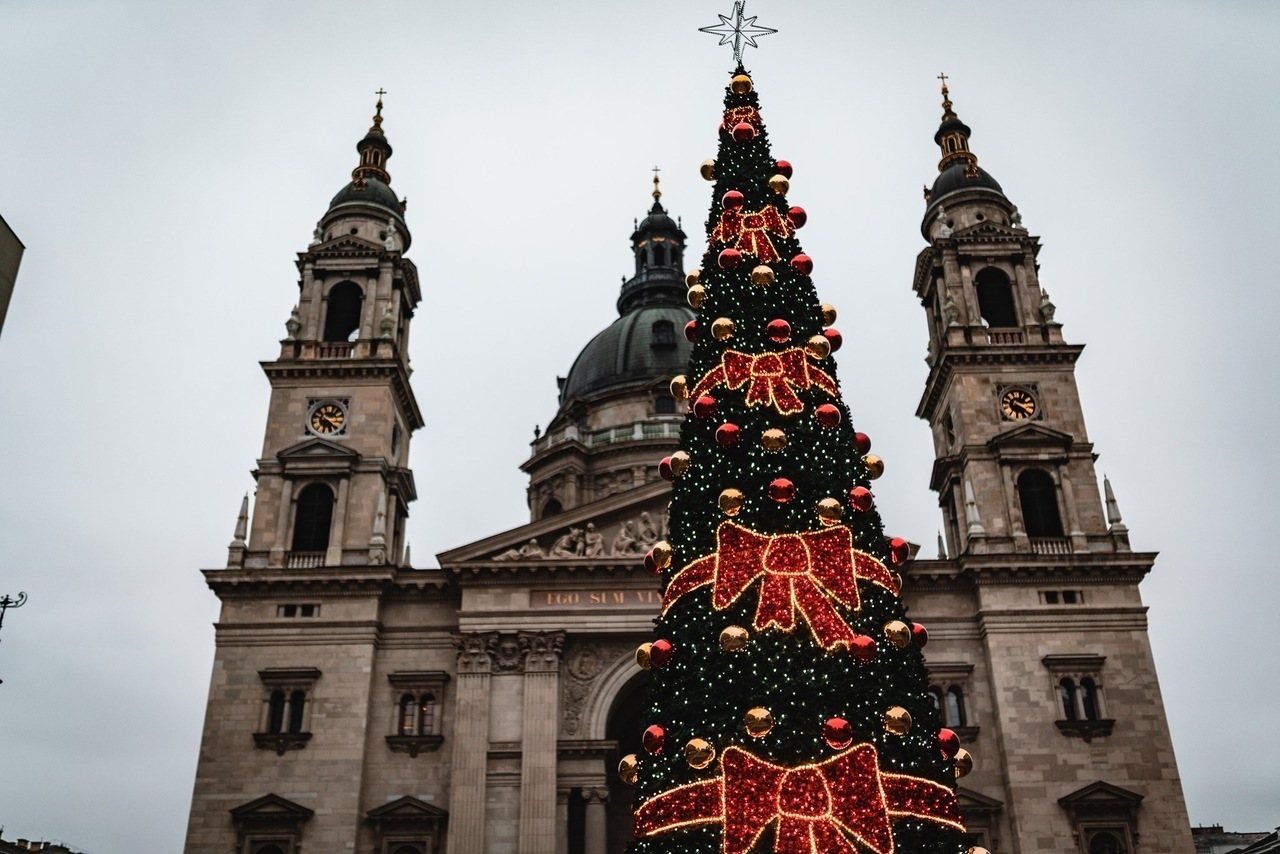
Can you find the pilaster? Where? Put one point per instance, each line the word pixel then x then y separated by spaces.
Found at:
pixel 538 745
pixel 470 742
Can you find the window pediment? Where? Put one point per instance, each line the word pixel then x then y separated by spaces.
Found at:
pixel 316 449
pixel 271 809
pixel 1029 440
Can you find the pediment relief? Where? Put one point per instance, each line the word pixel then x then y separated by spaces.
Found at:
pixel 317 449
pixel 622 526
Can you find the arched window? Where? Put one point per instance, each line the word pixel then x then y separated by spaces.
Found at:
pixel 1067 694
pixel 1106 842
pixel 269 848
pixel 312 519
pixel 342 321
pixel 408 714
pixel 1039 498
pixel 275 712
pixel 659 255
pixel 935 697
pixel 551 508
pixel 408 849
pixel 1089 699
pixel 426 714
pixel 955 707
pixel 664 334
pixel 995 299
pixel 297 704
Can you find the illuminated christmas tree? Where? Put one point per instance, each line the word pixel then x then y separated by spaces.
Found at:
pixel 789 706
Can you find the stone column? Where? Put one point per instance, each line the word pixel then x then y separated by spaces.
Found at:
pixel 562 821
pixel 334 555
pixel 276 557
pixel 541 720
pixel 1079 542
pixel 596 836
pixel 470 742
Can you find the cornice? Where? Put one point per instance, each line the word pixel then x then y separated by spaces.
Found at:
pixel 1019 568
pixel 488 573
pixel 307 370
pixel 956 357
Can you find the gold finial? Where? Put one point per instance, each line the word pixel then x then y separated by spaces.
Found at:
pixel 947 113
pixel 657 193
pixel 377 116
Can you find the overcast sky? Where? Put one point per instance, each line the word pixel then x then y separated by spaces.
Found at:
pixel 165 161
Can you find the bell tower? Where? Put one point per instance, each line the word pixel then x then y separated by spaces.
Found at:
pixel 1014 466
pixel 1040 658
pixel 333 480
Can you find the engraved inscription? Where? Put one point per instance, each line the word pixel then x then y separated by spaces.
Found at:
pixel 594 598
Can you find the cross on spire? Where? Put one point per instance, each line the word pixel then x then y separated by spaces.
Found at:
pixel 657 194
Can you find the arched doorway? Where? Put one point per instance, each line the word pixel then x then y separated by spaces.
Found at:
pixel 625 723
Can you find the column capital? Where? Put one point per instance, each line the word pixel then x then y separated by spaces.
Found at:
pixel 475 651
pixel 542 651
pixel 596 796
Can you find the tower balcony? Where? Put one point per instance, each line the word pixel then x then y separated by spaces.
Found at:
pixel 638 431
pixel 363 348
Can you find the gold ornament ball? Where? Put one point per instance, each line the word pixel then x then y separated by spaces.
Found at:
pixel 642 655
pixel 779 184
pixel 829 511
pixel 773 439
pixel 731 501
pixel 740 84
pixel 696 295
pixel 662 554
pixel 629 769
pixel 699 753
pixel 875 465
pixel 734 639
pixel 758 722
pixel 708 169
pixel 680 387
pixel 828 314
pixel 897 720
pixel 679 463
pixel 763 275
pixel 693 277
pixel 818 346
pixel 896 578
pixel 964 763
pixel 722 329
pixel 897 633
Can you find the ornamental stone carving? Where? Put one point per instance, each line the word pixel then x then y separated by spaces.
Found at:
pixel 541 651
pixel 585 662
pixel 633 537
pixel 508 655
pixel 475 651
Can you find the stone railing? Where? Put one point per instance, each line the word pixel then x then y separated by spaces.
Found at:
pixel 637 431
pixel 305 560
pixel 1051 545
pixel 1005 336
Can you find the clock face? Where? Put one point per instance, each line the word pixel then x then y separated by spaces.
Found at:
pixel 328 418
pixel 1018 404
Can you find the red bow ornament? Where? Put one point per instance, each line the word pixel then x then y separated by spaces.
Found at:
pixel 818 809
pixel 750 115
pixel 801 572
pixel 773 378
pixel 748 231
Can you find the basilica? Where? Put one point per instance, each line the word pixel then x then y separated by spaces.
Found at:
pixel 360 704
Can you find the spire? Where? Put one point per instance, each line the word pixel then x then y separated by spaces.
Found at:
pixel 657 191
pixel 658 244
pixel 953 137
pixel 235 551
pixel 942 547
pixel 1113 508
pixel 971 512
pixel 374 151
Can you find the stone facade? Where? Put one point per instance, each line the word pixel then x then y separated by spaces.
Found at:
pixel 359 704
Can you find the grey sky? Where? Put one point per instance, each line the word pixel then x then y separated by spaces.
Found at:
pixel 166 160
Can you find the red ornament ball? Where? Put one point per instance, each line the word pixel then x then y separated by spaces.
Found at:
pixel 899 550
pixel 827 415
pixel 919 634
pixel 651 563
pixel 861 499
pixel 728 434
pixel 664 469
pixel 778 330
pixel 783 168
pixel 744 132
pixel 948 743
pixel 691 331
pixel 705 406
pixel 782 490
pixel 863 649
pixel 729 259
pixel 797 216
pixel 802 264
pixel 660 652
pixel 733 200
pixel 862 442
pixel 654 739
pixel 834 337
pixel 838 733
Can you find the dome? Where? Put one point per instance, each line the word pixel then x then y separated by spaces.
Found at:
pixel 375 193
pixel 953 178
pixel 639 348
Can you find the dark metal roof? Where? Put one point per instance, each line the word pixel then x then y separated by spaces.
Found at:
pixel 953 178
pixel 375 193
pixel 626 354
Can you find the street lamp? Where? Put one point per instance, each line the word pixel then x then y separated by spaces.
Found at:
pixel 7 602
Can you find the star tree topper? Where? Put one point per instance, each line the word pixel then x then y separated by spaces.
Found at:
pixel 737 30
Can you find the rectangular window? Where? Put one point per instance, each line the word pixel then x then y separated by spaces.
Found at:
pixel 1050 597
pixel 295 610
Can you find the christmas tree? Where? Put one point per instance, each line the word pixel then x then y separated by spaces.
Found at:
pixel 789 705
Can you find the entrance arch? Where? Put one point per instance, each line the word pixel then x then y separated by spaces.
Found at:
pixel 624 723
